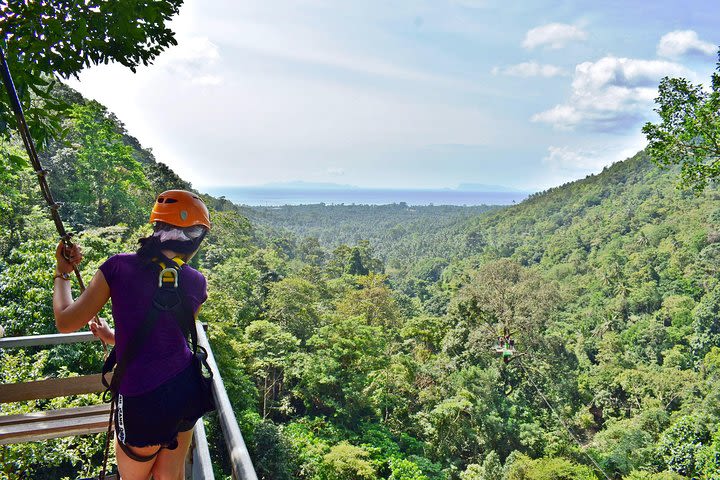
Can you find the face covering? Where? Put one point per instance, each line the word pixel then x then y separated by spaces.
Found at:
pixel 179 234
pixel 181 240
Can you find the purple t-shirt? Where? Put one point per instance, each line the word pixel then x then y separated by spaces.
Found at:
pixel 164 353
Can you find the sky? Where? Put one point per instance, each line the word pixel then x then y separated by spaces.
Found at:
pixel 409 93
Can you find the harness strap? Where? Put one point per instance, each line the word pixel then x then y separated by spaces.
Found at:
pixel 134 456
pixel 133 349
pixel 165 299
pixel 168 298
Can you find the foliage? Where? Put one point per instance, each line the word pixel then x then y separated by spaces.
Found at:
pixel 376 358
pixel 524 468
pixel 43 39
pixel 330 375
pixel 490 469
pixel 681 443
pixel 404 469
pixel 400 234
pixel 346 462
pixel 689 130
pixel 291 303
pixel 104 177
pixel 270 449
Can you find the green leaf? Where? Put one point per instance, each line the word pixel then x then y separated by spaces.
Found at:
pixel 17 162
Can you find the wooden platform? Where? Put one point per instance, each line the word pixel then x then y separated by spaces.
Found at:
pixel 43 425
pixel 37 426
pixel 51 388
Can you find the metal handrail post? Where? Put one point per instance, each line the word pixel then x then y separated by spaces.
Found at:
pixel 242 467
pixel 50 339
pixel 202 465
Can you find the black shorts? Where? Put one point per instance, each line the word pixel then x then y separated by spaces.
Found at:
pixel 156 417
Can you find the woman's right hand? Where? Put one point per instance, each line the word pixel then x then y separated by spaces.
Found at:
pixel 67 257
pixel 102 330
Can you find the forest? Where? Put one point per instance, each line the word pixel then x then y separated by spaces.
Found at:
pixel 339 367
pixel 399 233
pixel 351 356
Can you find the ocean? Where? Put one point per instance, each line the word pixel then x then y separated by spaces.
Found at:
pixel 265 196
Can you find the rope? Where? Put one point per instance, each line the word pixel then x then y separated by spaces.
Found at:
pixel 39 170
pixel 32 153
pixel 108 436
pixel 52 205
pixel 562 421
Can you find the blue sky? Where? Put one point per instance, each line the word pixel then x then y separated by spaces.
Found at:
pixel 405 94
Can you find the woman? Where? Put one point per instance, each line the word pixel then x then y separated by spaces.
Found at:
pixel 159 397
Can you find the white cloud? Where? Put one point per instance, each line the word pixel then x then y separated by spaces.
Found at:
pixel 529 69
pixel 682 42
pixel 565 158
pixel 262 126
pixel 207 80
pixel 191 50
pixel 553 35
pixel 610 94
pixel 194 59
pixel 569 162
pixel 305 45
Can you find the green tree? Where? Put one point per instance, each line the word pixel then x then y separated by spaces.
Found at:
pixel 490 469
pixel 689 130
pixel 355 265
pixel 14 198
pixel 330 378
pixel 504 294
pixel 404 469
pixel 99 174
pixel 525 468
pixel 25 299
pixel 680 444
pixel 373 300
pixel 625 446
pixel 269 448
pixel 230 236
pixel 291 303
pixel 705 323
pixel 347 462
pixel 642 475
pixel 269 350
pixel 56 37
pixel 707 458
pixel 234 293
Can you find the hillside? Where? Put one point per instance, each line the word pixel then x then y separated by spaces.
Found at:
pixel 371 354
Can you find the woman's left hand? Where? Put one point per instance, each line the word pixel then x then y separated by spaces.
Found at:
pixel 67 257
pixel 102 330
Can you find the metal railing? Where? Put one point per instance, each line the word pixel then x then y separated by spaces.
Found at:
pixel 242 467
pixel 45 340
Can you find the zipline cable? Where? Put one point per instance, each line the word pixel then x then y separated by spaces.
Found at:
pixel 37 166
pixel 562 421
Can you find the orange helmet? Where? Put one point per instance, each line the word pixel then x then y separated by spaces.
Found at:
pixel 180 208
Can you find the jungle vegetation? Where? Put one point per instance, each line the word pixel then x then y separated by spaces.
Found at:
pixel 374 357
pixel 339 367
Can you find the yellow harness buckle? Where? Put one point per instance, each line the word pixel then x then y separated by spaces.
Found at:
pixel 169 274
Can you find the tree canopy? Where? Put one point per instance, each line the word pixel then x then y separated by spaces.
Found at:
pixel 688 133
pixel 49 38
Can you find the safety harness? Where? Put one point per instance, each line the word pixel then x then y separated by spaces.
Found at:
pixel 168 298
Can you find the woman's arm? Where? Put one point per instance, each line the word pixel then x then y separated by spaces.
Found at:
pixel 73 315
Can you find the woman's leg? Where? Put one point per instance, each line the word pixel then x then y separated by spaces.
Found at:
pixel 170 464
pixel 133 470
